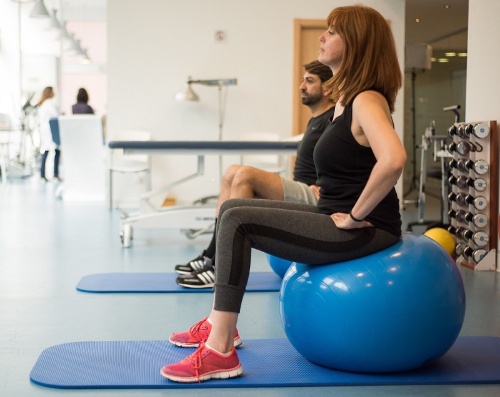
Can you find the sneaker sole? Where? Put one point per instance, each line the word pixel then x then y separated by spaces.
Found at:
pixel 232 373
pixel 183 272
pixel 196 286
pixel 237 343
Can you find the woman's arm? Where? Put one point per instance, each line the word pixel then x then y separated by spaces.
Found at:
pixel 372 126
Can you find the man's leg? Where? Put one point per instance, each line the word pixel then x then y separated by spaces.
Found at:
pixel 248 182
pixel 207 256
pixel 238 182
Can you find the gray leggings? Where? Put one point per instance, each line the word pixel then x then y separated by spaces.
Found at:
pixel 297 232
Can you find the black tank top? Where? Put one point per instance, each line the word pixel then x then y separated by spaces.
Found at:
pixel 343 167
pixel 304 170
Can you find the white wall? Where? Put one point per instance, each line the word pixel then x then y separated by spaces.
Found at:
pixel 155 45
pixel 9 59
pixel 483 61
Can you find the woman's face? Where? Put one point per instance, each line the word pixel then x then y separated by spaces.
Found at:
pixel 331 49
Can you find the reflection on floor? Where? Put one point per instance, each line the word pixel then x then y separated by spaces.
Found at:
pixel 47 246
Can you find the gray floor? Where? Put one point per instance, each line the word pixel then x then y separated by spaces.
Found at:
pixel 47 245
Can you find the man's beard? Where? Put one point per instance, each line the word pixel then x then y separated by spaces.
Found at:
pixel 310 99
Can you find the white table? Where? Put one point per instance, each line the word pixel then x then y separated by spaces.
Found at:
pixel 197 218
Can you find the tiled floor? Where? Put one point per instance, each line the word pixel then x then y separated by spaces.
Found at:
pixel 47 245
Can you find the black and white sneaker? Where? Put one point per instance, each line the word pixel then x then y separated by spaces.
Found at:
pixel 203 278
pixel 193 265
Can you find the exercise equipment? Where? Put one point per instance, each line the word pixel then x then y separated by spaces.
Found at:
pixel 163 283
pixel 438 143
pixel 266 363
pixel 396 310
pixel 279 265
pixel 443 237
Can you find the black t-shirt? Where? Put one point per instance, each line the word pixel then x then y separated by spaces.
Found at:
pixel 304 170
pixel 343 167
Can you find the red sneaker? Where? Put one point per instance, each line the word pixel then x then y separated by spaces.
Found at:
pixel 204 364
pixel 196 334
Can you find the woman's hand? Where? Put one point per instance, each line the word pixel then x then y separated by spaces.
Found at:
pixel 344 221
pixel 315 190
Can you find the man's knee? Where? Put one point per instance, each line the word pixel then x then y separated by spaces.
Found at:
pixel 231 171
pixel 245 175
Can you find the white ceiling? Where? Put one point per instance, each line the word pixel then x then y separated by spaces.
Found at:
pixel 442 28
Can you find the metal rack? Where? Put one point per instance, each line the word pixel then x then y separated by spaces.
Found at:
pixel 474 193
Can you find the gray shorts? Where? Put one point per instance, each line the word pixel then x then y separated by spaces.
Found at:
pixel 297 192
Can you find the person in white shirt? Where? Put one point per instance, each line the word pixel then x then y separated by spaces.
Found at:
pixel 47 110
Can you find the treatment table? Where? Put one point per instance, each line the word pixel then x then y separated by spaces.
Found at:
pixel 200 217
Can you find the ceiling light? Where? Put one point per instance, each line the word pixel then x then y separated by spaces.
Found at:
pixel 39 10
pixel 73 45
pixel 417 20
pixel 450 54
pixel 462 54
pixel 64 35
pixel 84 57
pixel 54 22
pixel 443 60
pixel 187 95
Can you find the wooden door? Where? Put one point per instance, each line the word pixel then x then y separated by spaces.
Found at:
pixel 306 49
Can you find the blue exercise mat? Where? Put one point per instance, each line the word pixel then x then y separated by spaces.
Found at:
pixel 164 283
pixel 266 363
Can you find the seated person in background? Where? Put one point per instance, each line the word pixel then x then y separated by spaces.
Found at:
pixel 81 106
pixel 249 182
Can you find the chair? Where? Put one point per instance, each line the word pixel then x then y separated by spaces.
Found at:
pixel 270 163
pixel 83 158
pixel 129 164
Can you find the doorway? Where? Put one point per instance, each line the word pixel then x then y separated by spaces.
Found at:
pixel 306 47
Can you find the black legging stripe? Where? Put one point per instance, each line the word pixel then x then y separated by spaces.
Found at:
pixel 296 232
pixel 300 243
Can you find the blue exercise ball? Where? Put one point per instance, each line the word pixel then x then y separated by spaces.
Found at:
pixel 279 266
pixel 396 310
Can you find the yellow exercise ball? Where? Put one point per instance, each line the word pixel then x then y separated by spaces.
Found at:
pixel 443 237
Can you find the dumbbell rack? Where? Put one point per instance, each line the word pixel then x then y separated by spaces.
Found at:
pixel 474 193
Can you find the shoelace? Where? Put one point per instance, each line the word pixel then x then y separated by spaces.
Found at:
pixel 195 329
pixel 195 360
